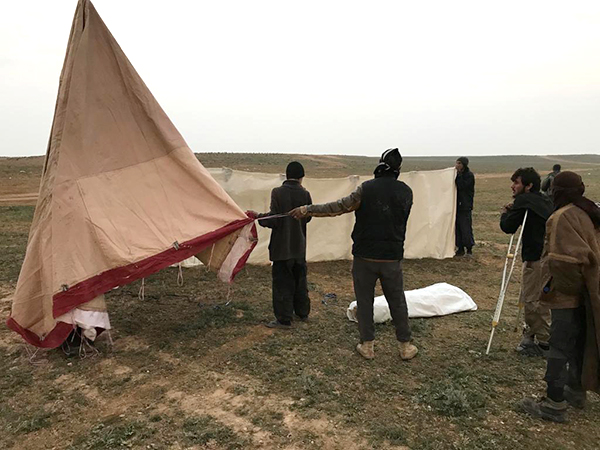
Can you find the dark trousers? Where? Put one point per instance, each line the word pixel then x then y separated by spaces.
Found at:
pixel 290 289
pixel 464 229
pixel 365 275
pixel 567 343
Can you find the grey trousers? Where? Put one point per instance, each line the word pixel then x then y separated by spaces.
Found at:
pixel 365 275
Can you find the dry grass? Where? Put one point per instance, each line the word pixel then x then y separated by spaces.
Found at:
pixel 187 371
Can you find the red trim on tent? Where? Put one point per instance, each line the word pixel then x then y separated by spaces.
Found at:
pixel 54 339
pixel 242 261
pixel 86 290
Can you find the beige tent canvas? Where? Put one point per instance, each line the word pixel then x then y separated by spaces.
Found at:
pixel 121 197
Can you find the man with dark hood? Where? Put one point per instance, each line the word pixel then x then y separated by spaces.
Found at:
pixel 382 206
pixel 527 198
pixel 571 267
pixel 287 249
pixel 549 181
pixel 465 192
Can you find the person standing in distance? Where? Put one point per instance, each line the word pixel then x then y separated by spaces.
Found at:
pixel 549 181
pixel 465 193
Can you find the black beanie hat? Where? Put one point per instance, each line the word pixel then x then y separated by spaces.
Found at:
pixel 390 161
pixel 464 160
pixel 294 171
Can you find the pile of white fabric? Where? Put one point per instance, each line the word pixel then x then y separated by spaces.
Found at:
pixel 438 299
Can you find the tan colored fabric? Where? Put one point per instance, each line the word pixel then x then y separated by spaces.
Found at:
pixel 97 304
pixel 572 253
pixel 430 230
pixel 537 315
pixel 119 185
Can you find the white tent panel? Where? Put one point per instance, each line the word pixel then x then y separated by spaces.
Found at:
pixel 430 231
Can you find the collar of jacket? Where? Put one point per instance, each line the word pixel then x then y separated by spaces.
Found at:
pixel 292 183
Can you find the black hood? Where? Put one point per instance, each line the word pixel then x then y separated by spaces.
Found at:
pixel 536 203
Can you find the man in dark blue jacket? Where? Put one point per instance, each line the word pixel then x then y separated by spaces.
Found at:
pixel 527 197
pixel 465 192
pixel 382 206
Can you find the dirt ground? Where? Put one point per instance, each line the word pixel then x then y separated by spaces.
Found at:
pixel 193 367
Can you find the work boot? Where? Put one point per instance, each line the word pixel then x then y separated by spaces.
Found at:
pixel 366 350
pixel 279 325
pixel 545 408
pixel 528 347
pixel 575 397
pixel 460 252
pixel 407 350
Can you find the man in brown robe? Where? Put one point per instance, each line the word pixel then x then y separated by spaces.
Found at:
pixel 571 268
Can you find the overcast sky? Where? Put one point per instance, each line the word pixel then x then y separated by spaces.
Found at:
pixel 330 77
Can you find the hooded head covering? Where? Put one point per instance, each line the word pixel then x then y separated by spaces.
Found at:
pixel 389 163
pixel 568 188
pixel 294 171
pixel 465 162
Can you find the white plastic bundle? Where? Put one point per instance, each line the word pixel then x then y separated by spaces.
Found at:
pixel 438 299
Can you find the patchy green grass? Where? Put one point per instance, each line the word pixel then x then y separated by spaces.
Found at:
pixel 117 435
pixel 205 429
pixel 193 367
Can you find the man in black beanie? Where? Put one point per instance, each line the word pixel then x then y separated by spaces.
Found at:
pixel 382 206
pixel 287 249
pixel 465 191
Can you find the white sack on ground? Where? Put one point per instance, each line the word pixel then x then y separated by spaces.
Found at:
pixel 430 229
pixel 438 299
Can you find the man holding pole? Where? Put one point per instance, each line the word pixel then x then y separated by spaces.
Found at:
pixel 527 197
pixel 382 206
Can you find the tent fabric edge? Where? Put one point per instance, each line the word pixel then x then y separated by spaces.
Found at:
pixel 86 290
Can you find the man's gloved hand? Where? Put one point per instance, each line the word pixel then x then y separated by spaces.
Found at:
pixel 299 213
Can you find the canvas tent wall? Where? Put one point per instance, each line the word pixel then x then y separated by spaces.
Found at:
pixel 121 196
pixel 431 226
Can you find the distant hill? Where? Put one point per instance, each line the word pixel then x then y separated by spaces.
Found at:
pixel 22 174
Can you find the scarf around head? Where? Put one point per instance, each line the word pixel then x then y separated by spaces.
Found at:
pixel 389 163
pixel 568 188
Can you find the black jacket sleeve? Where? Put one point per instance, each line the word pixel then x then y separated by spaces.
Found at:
pixel 512 219
pixel 275 209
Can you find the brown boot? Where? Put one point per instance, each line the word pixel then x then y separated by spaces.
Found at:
pixel 545 408
pixel 575 397
pixel 366 350
pixel 407 350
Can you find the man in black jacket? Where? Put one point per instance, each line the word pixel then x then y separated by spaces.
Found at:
pixel 287 249
pixel 382 207
pixel 465 191
pixel 527 197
